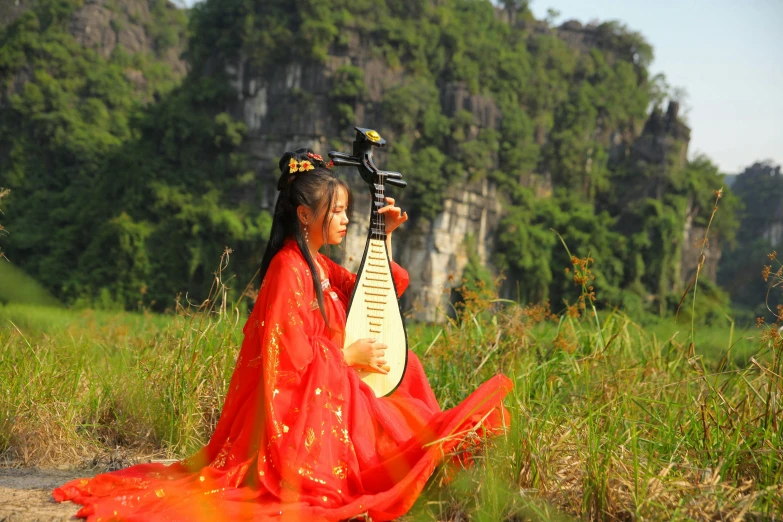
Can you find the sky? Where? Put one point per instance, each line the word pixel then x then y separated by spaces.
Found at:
pixel 728 57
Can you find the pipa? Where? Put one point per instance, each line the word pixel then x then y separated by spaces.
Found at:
pixel 374 309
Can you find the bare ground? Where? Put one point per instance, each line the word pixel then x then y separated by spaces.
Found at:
pixel 26 494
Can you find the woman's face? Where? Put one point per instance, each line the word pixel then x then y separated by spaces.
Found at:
pixel 336 219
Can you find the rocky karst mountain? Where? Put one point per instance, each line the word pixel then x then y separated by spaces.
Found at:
pixel 504 132
pixel 434 248
pixel 135 26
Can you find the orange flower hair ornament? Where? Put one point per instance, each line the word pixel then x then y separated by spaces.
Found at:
pixel 299 166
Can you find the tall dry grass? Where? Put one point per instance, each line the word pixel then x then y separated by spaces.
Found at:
pixel 609 421
pixel 77 386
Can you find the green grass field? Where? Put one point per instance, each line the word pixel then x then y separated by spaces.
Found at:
pixel 617 422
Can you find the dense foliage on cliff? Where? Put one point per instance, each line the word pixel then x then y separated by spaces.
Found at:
pixel 557 137
pixel 114 201
pixel 760 189
pixel 567 118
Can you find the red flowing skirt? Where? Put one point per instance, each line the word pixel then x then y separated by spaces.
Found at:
pixel 300 436
pixel 387 489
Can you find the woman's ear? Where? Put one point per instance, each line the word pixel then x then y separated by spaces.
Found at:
pixel 304 214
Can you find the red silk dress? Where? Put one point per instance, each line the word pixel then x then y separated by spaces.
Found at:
pixel 300 436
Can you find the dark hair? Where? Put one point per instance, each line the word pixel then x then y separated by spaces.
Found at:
pixel 316 189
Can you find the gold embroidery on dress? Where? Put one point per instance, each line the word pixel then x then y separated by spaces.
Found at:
pixel 307 471
pixel 273 352
pixel 310 439
pixel 341 434
pixel 220 459
pixel 340 470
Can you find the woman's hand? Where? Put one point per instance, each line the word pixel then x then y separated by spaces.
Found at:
pixel 367 354
pixel 394 215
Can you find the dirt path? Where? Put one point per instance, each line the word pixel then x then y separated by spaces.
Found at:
pixel 26 494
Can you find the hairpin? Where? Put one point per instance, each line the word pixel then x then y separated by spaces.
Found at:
pixel 315 156
pixel 299 166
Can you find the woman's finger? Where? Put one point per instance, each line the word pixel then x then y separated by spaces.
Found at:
pixel 390 200
pixel 383 210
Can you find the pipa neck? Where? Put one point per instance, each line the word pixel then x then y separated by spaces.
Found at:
pixel 378 221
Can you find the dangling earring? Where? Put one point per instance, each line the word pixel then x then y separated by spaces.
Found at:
pixel 307 234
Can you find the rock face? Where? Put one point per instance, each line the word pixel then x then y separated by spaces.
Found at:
pixel 289 108
pixel 280 118
pixel 663 145
pixel 10 10
pixel 436 254
pixel 693 236
pixel 760 186
pixel 103 25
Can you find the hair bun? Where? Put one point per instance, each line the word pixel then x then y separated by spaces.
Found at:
pixel 296 162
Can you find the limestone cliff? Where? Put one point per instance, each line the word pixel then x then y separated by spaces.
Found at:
pixel 292 104
pixel 10 10
pixel 290 107
pixel 432 251
pixel 105 25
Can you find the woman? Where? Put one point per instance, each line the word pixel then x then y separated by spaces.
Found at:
pixel 300 436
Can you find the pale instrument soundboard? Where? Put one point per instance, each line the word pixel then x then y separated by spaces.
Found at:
pixel 374 310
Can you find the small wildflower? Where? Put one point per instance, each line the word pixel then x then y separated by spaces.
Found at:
pixel 772 256
pixel 766 271
pixel 718 193
pixel 759 322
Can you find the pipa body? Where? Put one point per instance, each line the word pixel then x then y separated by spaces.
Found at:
pixel 374 310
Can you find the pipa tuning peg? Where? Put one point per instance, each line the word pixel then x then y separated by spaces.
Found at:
pixel 369 136
pixel 342 155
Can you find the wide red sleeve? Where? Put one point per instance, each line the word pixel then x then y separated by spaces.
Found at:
pixel 286 313
pixel 344 280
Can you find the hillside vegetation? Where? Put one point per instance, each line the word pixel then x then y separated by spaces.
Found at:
pixel 128 181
